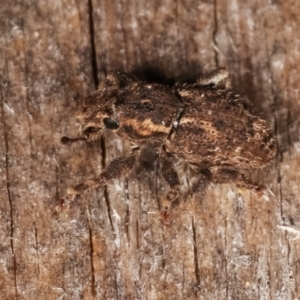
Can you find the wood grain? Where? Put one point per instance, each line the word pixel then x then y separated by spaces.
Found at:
pixel 110 243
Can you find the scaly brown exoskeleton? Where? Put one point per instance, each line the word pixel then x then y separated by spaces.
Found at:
pixel 203 124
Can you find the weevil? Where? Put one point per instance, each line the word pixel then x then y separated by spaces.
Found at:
pixel 203 123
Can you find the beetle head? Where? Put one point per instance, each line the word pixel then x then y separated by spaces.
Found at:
pixel 99 110
pixel 94 118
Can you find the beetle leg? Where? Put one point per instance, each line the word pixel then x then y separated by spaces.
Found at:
pixel 226 175
pixel 170 175
pixel 218 77
pixel 118 168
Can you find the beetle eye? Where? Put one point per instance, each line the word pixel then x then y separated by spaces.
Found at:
pixel 110 124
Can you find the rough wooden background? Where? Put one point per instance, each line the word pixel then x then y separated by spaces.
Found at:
pixel 111 244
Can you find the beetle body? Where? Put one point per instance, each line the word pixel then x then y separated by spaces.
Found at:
pixel 203 124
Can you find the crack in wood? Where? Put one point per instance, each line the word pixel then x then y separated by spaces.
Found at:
pixel 94 66
pixel 225 258
pixel 37 248
pixel 124 34
pixel 215 31
pixel 6 160
pixel 105 189
pixel 93 284
pixel 127 216
pixel 196 263
pixel 93 43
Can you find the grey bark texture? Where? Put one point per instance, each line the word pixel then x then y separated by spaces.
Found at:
pixel 111 243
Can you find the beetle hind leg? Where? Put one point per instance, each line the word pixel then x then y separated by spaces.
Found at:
pixel 227 175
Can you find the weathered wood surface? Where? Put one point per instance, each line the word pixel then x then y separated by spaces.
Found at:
pixel 228 244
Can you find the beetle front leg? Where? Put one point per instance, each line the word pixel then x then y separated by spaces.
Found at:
pixel 118 168
pixel 170 175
